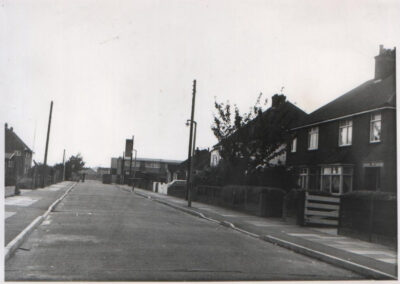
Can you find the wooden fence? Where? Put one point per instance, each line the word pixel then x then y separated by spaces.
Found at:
pixel 321 210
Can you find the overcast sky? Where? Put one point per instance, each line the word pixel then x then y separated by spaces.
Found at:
pixel 120 68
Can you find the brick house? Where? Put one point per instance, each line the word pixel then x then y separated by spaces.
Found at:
pixel 18 157
pixel 282 113
pixel 350 143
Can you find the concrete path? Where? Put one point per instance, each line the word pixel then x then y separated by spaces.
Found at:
pixel 373 260
pixel 107 233
pixel 21 210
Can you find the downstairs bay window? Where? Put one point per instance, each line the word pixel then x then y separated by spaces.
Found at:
pixel 336 179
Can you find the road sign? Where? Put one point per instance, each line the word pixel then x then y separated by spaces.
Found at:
pixel 128 147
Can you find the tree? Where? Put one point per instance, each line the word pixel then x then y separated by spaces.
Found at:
pixel 73 166
pixel 249 141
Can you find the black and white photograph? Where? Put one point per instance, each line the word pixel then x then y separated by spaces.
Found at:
pixel 199 140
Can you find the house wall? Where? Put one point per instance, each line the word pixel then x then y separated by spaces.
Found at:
pixel 361 154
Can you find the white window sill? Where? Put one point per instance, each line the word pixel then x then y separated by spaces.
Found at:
pixel 345 145
pixel 374 142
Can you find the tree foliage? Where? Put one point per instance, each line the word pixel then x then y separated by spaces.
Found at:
pixel 250 140
pixel 73 165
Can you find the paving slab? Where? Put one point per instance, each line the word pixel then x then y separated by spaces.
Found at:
pixel 21 210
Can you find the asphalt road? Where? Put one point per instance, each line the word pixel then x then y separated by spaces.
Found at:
pixel 102 232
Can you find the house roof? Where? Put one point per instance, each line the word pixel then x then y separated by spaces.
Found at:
pixel 13 142
pixel 201 160
pixel 286 114
pixel 371 95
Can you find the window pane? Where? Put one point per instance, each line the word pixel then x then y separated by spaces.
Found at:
pixel 376 116
pixel 377 130
pixel 326 183
pixel 327 171
pixel 350 135
pixel 294 144
pixel 335 184
pixel 343 136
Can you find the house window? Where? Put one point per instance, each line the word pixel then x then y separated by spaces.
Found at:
pixel 345 132
pixel 294 145
pixel 336 179
pixel 313 138
pixel 303 178
pixel 308 178
pixel 10 164
pixel 375 128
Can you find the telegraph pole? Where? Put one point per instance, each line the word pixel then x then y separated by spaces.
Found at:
pixel 130 163
pixel 123 168
pixel 47 146
pixel 188 181
pixel 63 176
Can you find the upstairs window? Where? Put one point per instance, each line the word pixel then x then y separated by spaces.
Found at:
pixel 313 138
pixel 375 128
pixel 293 147
pixel 345 132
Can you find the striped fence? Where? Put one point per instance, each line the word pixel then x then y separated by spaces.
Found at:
pixel 321 210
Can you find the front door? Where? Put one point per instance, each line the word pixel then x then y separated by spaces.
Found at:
pixel 372 178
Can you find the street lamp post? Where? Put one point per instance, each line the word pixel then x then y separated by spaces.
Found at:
pixel 192 164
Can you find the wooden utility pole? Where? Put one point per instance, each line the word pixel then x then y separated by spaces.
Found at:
pixel 63 176
pixel 47 146
pixel 123 168
pixel 130 163
pixel 189 169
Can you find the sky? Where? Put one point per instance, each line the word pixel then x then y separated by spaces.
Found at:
pixel 120 68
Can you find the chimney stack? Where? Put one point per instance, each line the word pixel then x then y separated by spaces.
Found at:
pixel 278 100
pixel 385 62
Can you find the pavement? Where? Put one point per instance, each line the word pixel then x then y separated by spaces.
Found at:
pixel 372 260
pixel 101 232
pixel 21 210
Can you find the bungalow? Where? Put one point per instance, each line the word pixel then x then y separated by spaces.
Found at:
pixel 350 143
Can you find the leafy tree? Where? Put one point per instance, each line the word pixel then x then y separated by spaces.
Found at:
pixel 73 165
pixel 249 141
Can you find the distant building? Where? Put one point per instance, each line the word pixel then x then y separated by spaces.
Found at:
pixel 154 169
pixel 350 143
pixel 103 171
pixel 18 157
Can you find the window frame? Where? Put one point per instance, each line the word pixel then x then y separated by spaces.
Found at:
pixel 313 131
pixel 340 173
pixel 293 145
pixel 348 125
pixel 372 122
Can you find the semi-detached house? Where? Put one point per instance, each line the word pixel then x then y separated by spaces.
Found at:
pixel 350 143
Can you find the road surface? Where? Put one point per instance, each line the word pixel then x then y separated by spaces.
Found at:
pixel 103 232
